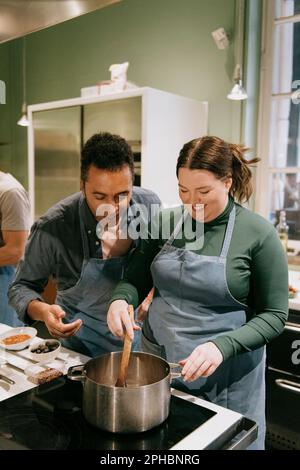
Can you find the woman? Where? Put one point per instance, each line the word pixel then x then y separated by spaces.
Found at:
pixel 216 306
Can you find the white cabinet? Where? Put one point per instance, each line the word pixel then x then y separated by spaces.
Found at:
pixel 155 123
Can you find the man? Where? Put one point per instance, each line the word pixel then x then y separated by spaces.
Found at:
pixel 64 244
pixel 14 228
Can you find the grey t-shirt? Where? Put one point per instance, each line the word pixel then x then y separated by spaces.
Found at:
pixel 14 205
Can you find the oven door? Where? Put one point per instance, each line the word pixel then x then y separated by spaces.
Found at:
pixel 284 351
pixel 283 405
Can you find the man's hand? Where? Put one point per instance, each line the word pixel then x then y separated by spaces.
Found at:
pixel 203 362
pixel 118 319
pixel 52 316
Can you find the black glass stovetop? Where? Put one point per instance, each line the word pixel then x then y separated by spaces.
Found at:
pixel 50 417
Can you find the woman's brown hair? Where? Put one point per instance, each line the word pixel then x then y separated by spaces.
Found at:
pixel 222 159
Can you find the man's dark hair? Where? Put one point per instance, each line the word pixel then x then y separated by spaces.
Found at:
pixel 106 151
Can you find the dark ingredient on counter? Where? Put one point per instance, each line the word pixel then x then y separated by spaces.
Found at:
pixel 45 348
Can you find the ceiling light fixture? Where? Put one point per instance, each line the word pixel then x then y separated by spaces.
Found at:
pixel 238 92
pixel 23 121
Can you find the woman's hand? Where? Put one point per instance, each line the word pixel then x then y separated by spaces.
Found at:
pixel 203 362
pixel 144 306
pixel 118 319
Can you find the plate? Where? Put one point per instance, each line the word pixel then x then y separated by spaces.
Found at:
pixel 15 335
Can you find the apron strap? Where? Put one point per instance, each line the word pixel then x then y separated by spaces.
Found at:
pixel 228 234
pixel 227 238
pixel 85 243
pixel 176 230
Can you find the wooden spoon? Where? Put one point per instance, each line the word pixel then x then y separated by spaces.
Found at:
pixel 121 380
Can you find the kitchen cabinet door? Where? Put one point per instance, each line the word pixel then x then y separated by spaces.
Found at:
pixel 56 156
pixel 121 117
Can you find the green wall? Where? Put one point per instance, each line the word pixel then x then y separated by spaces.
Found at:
pixel 5 111
pixel 167 42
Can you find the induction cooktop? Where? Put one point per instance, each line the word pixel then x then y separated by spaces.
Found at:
pixel 50 417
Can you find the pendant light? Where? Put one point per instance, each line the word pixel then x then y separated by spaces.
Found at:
pixel 238 92
pixel 23 121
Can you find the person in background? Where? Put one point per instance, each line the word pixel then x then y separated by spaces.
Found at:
pixel 14 229
pixel 216 306
pixel 85 259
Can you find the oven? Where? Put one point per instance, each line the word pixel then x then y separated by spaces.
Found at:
pixel 283 387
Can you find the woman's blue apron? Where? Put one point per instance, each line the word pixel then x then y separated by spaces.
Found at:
pixel 193 305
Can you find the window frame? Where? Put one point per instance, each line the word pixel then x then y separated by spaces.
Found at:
pixel 264 169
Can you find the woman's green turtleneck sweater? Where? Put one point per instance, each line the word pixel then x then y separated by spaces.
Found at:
pixel 256 270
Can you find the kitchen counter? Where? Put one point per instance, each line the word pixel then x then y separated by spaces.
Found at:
pixel 226 429
pixel 294 280
pixel 21 361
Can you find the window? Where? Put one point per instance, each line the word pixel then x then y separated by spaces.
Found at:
pixel 280 114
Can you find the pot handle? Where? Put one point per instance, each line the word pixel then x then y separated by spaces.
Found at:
pixel 77 373
pixel 175 375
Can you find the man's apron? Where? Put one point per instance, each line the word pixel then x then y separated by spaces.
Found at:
pixel 89 300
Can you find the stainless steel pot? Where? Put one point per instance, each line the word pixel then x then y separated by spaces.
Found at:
pixel 140 406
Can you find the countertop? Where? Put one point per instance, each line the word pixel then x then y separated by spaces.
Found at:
pixel 21 360
pixel 223 421
pixel 294 280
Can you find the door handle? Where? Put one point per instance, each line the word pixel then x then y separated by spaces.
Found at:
pixel 246 434
pixel 287 384
pixel 292 327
